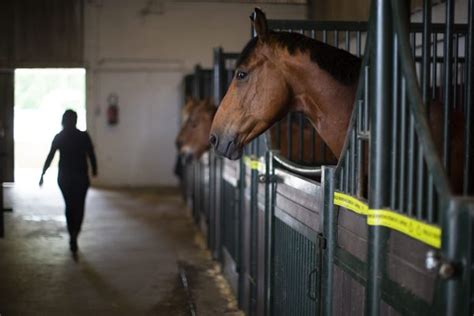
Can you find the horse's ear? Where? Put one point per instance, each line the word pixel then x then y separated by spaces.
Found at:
pixel 259 21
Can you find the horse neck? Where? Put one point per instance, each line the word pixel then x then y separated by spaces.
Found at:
pixel 325 101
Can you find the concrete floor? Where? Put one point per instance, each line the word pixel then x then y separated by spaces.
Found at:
pixel 132 248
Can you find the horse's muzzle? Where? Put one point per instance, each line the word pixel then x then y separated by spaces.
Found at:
pixel 225 146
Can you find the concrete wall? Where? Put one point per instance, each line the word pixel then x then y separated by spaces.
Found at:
pixel 142 58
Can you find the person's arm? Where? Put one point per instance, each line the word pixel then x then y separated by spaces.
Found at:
pixel 49 159
pixel 91 155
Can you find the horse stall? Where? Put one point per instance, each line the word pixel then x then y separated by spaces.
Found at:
pixel 386 227
pixel 195 181
pixel 225 241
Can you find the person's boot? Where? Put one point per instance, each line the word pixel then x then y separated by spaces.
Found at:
pixel 73 244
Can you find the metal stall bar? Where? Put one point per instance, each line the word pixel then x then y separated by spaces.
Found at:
pixel 381 56
pixel 468 185
pixel 448 78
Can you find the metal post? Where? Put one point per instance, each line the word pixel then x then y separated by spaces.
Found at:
pixel 381 56
pixel 269 221
pixel 329 230
pixel 456 255
pixel 219 75
pixel 468 187
pixel 448 78
pixel 197 82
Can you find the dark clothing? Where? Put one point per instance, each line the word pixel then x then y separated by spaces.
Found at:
pixel 74 148
pixel 74 190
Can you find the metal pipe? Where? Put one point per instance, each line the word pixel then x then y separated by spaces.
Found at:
pixel 347 41
pixel 448 70
pixel 411 165
pixel 435 66
pixel 360 174
pixel 353 149
pixel 468 185
pixel 403 146
pixel 381 56
pixel 289 135
pixel 301 170
pixel 394 141
pixel 301 120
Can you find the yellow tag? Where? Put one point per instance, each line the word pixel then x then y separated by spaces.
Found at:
pixel 350 203
pixel 426 233
pixel 429 234
pixel 253 164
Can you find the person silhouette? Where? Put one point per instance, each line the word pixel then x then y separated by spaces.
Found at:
pixel 74 147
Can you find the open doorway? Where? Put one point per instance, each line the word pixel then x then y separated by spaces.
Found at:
pixel 41 97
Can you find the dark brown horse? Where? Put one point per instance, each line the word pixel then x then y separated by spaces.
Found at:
pixel 193 138
pixel 279 72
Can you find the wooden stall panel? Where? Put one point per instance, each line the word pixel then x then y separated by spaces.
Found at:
pixel 348 294
pixel 352 232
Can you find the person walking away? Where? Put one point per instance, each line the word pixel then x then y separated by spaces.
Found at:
pixel 74 147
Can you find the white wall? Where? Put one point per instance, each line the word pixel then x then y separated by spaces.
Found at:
pixel 143 59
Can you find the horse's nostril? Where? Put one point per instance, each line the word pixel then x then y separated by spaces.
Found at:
pixel 213 140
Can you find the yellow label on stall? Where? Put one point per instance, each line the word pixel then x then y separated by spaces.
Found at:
pixel 416 229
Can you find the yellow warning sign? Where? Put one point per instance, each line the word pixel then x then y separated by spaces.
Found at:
pixel 426 233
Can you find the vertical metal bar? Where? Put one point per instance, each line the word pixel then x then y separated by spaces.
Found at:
pixel 336 39
pixel 448 70
pixel 456 72
pixel 353 154
pixel 219 74
pixel 435 65
pixel 325 36
pixel 430 198
pixel 457 250
pixel 411 164
pixel 301 120
pixel 395 114
pixel 425 79
pixel 322 146
pixel 347 41
pixel 269 232
pixel 360 156
pixel 468 185
pixel 313 143
pixel 329 229
pixel 358 44
pixel 289 135
pixel 425 88
pixel 367 99
pixel 381 55
pixel 347 171
pixel 278 135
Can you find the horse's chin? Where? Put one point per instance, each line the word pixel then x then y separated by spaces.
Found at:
pixel 236 154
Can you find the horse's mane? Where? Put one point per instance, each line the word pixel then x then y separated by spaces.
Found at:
pixel 340 64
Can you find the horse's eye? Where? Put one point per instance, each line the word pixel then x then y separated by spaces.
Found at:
pixel 240 75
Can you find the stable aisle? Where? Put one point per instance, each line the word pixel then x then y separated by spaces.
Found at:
pixel 135 250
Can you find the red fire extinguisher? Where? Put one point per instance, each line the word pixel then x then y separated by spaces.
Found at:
pixel 112 109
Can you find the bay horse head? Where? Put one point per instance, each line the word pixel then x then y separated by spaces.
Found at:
pixel 278 72
pixel 185 111
pixel 194 135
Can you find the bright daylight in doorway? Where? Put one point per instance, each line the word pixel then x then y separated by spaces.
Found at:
pixel 41 97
